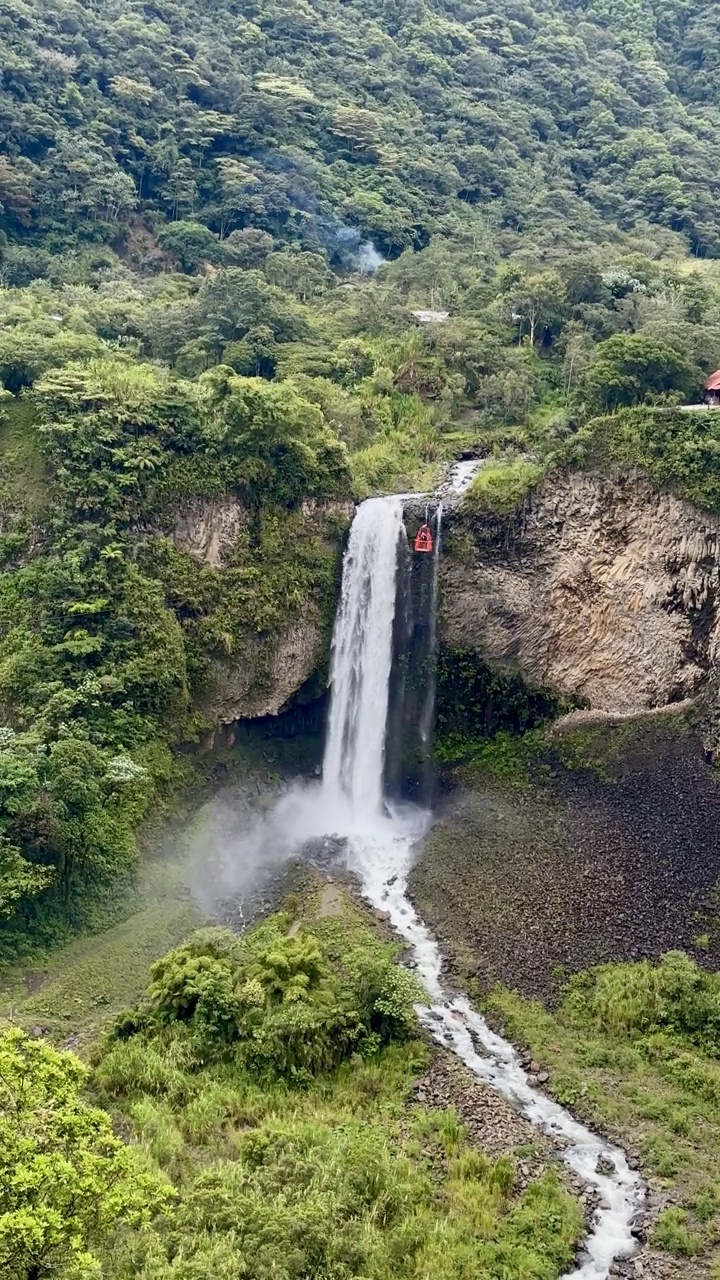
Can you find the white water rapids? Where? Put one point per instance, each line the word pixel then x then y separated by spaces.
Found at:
pixel 380 844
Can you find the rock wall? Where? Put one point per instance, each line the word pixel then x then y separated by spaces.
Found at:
pixel 601 587
pixel 272 666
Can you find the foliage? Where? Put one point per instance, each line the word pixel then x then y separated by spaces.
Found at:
pixel 289 1171
pixel 636 999
pixel 499 489
pixel 479 711
pixel 67 1182
pixel 628 368
pixel 272 1004
pixel 678 451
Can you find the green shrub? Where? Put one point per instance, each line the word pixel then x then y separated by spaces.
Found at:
pixel 637 998
pixel 271 1002
pixel 499 489
pixel 672 1233
pixel 134 1067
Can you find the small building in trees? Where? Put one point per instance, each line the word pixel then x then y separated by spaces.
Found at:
pixel 430 317
pixel 712 390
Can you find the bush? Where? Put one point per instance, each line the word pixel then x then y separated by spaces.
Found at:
pixel 272 1003
pixel 500 488
pixel 66 1181
pixel 634 999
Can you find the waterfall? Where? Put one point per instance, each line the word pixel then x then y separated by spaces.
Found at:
pixel 381 838
pixel 362 657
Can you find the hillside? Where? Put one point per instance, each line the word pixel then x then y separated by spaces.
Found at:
pixel 260 261
pixel 216 224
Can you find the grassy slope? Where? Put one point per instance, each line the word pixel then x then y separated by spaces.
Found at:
pixel 73 990
pixel 664 1106
pixel 81 985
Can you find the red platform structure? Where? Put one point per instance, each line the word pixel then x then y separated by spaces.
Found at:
pixel 424 539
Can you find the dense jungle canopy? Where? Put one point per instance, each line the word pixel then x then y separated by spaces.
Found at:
pixel 215 223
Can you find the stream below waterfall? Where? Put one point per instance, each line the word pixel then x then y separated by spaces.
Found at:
pixel 380 837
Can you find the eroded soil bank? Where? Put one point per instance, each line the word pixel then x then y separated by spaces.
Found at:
pixel 590 844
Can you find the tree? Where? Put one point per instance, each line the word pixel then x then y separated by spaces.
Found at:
pixel 536 301
pixel 191 243
pixel 629 367
pixel 66 1181
pixel 282 444
pixel 306 275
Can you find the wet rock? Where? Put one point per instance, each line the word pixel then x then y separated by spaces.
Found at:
pixel 605 1166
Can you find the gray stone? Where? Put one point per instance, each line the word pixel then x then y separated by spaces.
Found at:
pixel 559 601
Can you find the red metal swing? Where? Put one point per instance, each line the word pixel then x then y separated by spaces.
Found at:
pixel 423 538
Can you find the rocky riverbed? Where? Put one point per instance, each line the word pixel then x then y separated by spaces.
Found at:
pixel 605 846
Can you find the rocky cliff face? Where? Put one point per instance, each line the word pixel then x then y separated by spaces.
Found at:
pixel 601 587
pixel 272 666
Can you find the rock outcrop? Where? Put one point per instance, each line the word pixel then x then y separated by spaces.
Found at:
pixel 601 587
pixel 272 666
pixel 270 671
pixel 208 529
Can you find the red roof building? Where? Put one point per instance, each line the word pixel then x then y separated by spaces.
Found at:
pixel 712 390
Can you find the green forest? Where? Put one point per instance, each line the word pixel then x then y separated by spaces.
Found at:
pixel 216 224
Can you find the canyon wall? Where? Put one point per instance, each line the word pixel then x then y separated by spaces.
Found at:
pixel 271 666
pixel 600 587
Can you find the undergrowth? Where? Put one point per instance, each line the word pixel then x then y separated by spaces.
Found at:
pixel 635 1049
pixel 290 1149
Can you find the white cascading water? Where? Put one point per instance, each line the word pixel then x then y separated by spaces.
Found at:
pixel 362 656
pixel 380 844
